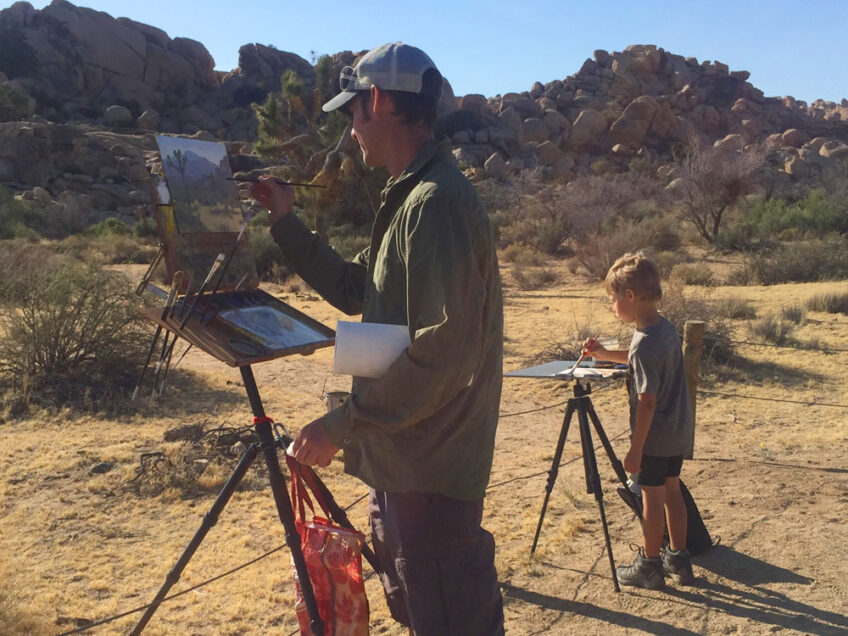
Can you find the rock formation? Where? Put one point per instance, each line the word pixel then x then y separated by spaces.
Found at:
pixel 80 93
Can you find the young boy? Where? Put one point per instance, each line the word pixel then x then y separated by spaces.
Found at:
pixel 660 420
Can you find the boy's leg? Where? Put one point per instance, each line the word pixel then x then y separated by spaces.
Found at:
pixel 675 513
pixel 647 570
pixel 675 557
pixel 653 524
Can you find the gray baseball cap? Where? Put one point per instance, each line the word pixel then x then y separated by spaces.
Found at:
pixel 393 67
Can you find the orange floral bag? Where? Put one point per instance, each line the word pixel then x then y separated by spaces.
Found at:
pixel 333 556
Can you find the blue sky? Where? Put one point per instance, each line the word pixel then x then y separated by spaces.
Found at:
pixel 790 47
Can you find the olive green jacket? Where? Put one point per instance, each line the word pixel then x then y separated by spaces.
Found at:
pixel 428 424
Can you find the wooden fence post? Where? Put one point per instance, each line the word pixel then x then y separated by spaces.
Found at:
pixel 693 347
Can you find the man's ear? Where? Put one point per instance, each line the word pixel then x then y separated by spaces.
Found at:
pixel 381 103
pixel 631 296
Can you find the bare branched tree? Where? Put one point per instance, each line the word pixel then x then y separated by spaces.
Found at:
pixel 712 181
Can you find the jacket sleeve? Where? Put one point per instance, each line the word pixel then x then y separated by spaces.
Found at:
pixel 446 297
pixel 340 282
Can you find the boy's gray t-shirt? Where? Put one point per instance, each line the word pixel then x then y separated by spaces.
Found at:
pixel 655 360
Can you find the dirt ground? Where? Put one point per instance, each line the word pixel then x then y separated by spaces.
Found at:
pixel 769 477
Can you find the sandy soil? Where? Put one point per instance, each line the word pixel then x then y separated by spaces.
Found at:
pixel 769 478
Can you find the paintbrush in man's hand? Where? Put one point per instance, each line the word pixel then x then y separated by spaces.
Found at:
pixel 276 180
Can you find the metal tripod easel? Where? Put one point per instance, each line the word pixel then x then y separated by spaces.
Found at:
pixel 268 445
pixel 581 404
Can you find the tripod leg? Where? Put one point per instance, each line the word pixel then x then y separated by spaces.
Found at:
pixel 617 466
pixel 209 520
pixel 593 479
pixel 262 426
pixel 146 362
pixel 554 471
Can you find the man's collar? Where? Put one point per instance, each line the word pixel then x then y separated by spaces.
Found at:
pixel 421 159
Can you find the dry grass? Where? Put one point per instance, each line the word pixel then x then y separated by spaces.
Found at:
pixel 86 546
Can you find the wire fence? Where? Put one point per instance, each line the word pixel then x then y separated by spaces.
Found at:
pixel 790 346
pixel 491 487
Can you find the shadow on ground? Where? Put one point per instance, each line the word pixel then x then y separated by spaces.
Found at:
pixel 603 614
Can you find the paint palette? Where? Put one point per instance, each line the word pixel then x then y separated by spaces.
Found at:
pixel 245 327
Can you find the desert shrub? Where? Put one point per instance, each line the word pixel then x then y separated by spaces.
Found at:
pixel 270 265
pixel 72 336
pixel 771 329
pixel 530 278
pixel 793 313
pixel 836 303
pixel 200 461
pixel 825 259
pixel 107 249
pixel 665 262
pixel 16 615
pixel 347 240
pixel 570 347
pixel 679 306
pixel 20 261
pixel 698 274
pixel 523 254
pixel 597 253
pixel 17 218
pixel 735 309
pixel 817 214
pixel 713 182
pixel 13 105
pixel 145 228
pixel 742 236
pixel 109 227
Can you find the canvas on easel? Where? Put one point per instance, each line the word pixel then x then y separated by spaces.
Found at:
pixel 200 220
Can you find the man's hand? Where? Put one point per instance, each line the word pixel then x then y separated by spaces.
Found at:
pixel 312 446
pixel 278 199
pixel 633 460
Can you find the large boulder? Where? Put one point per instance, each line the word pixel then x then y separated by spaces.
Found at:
pixel 535 130
pixel 587 130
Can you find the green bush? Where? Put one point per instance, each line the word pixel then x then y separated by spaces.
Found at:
pixel 145 228
pixel 824 259
pixel 13 105
pixel 817 215
pixel 72 336
pixel 17 218
pixel 836 303
pixel 270 265
pixel 109 227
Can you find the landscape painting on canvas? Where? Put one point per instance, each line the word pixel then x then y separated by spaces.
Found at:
pixel 197 173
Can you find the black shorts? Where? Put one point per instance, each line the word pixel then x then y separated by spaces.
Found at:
pixel 654 470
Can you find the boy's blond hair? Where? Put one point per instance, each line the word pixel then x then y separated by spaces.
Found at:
pixel 634 271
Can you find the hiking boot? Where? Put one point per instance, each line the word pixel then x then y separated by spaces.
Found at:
pixel 677 566
pixel 644 572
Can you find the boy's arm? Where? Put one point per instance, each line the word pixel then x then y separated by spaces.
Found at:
pixel 592 348
pixel 647 404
